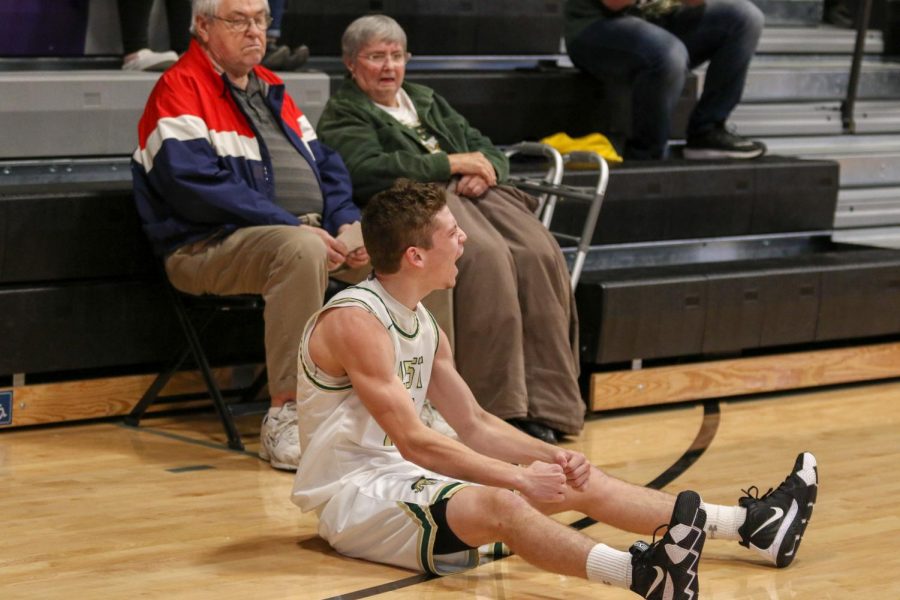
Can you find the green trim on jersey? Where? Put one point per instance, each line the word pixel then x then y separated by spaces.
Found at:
pixel 409 336
pixel 337 303
pixel 427 531
pixel 322 386
pixel 421 515
pixel 448 490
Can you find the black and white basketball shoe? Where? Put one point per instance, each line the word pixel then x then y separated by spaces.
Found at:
pixel 776 521
pixel 667 568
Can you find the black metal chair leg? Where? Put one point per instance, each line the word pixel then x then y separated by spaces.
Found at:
pixel 137 413
pixel 234 438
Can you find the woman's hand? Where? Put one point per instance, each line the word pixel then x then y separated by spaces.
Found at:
pixel 473 163
pixel 471 186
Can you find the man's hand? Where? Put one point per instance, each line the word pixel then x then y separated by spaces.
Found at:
pixel 576 467
pixel 472 186
pixel 357 257
pixel 473 163
pixel 335 249
pixel 543 482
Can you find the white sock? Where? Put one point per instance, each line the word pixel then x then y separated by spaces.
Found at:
pixel 723 522
pixel 609 566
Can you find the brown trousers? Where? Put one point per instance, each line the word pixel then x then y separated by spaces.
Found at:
pixel 285 264
pixel 514 312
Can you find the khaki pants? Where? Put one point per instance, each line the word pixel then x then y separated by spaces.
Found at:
pixel 514 313
pixel 285 264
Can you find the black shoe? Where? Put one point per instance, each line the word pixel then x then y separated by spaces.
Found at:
pixel 776 522
pixel 667 568
pixel 718 142
pixel 297 59
pixel 276 57
pixel 841 15
pixel 535 430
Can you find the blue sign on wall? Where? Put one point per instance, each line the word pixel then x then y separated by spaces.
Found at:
pixel 6 407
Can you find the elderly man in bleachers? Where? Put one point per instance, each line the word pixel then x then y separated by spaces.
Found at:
pixel 238 196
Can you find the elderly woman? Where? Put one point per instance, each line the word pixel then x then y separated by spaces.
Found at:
pixel 515 322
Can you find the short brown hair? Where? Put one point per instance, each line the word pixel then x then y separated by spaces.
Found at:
pixel 400 217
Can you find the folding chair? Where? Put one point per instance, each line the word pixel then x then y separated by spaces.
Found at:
pixel 195 314
pixel 549 190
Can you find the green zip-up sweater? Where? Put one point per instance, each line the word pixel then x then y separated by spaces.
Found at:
pixel 378 149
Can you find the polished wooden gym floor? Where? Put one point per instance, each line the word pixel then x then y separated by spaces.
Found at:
pixel 166 511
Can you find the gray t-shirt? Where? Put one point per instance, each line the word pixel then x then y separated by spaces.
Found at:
pixel 296 187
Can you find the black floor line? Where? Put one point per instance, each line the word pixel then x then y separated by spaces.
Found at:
pixel 704 437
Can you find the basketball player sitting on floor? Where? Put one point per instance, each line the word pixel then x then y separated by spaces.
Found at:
pixel 389 489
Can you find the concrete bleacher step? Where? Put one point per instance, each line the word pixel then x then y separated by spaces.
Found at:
pixel 791 12
pixel 820 39
pixel 814 118
pixel 877 116
pixel 868 207
pixel 869 178
pixel 811 78
pixel 800 118
pixel 880 237
pixel 95 113
pixel 865 160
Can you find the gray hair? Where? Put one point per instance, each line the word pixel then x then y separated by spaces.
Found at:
pixel 370 28
pixel 208 8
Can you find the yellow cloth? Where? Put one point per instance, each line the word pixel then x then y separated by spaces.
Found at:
pixel 596 142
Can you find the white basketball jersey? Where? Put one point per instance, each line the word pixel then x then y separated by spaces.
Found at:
pixel 341 443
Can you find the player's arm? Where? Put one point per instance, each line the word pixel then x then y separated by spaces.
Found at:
pixel 488 434
pixel 354 342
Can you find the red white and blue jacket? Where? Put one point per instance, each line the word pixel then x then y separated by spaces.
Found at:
pixel 200 168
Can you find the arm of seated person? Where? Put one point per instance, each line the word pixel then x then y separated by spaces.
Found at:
pixel 352 341
pixel 487 434
pixel 356 257
pixel 477 428
pixel 335 250
pixel 473 163
pixel 472 186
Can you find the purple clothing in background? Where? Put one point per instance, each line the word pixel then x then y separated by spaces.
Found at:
pixel 43 27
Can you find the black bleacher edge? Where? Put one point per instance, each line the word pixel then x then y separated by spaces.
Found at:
pixel 79 289
pixel 449 27
pixel 841 293
pixel 679 199
pixel 510 107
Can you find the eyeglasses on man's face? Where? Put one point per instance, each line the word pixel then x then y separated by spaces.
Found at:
pixel 242 24
pixel 382 58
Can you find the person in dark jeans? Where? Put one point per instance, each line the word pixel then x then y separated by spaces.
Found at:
pixel 134 19
pixel 652 44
